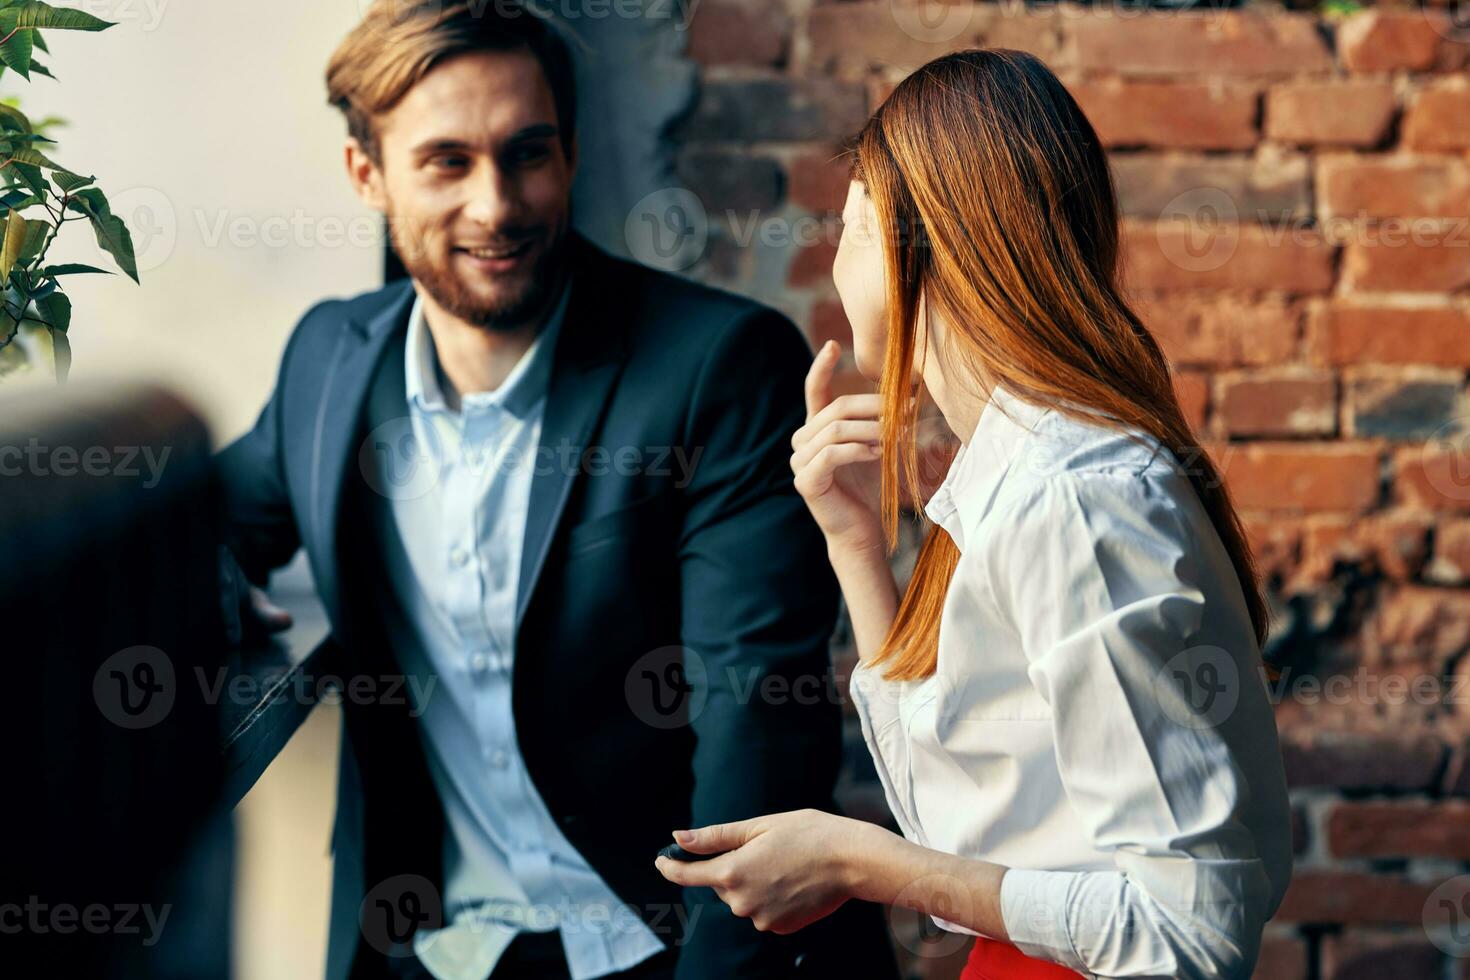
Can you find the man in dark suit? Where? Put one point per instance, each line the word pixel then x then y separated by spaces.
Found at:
pixel 549 490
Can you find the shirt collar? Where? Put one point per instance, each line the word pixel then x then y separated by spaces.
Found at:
pixel 521 390
pixel 979 466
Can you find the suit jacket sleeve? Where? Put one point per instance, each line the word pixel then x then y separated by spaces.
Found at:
pixel 260 529
pixel 759 604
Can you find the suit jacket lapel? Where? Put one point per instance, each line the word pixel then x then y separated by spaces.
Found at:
pixel 588 359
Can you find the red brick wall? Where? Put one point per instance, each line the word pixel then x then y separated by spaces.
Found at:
pixel 1296 192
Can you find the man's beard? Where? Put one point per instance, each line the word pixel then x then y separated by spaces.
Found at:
pixel 434 271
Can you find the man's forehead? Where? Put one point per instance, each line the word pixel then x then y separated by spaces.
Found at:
pixel 484 97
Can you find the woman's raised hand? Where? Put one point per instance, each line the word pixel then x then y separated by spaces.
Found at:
pixel 835 458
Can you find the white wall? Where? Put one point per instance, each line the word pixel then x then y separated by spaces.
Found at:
pixel 207 127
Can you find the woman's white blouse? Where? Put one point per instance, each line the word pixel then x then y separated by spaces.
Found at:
pixel 1098 722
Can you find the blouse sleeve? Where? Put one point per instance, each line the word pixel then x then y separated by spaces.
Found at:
pixel 876 701
pixel 1157 724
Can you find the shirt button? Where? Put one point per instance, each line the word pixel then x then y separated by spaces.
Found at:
pixel 459 558
pixel 473 457
pixel 479 662
pixel 500 758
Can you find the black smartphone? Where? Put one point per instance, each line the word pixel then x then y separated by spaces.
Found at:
pixel 679 854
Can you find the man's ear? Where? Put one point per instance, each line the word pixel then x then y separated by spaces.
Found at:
pixel 365 175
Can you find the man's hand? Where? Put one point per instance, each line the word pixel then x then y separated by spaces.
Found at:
pixel 249 614
pixel 269 617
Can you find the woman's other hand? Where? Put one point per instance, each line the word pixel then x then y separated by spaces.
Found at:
pixel 835 458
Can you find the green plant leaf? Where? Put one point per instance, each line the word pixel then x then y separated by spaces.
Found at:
pixel 17 200
pixel 61 353
pixel 13 118
pixel 39 69
pixel 36 232
pixel 9 325
pixel 70 269
pixel 33 13
pixel 30 177
pixel 69 182
pixel 16 230
pixel 112 234
pixel 35 158
pixel 15 52
pixel 91 197
pixel 56 310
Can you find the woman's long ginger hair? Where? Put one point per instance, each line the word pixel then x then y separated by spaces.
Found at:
pixel 996 208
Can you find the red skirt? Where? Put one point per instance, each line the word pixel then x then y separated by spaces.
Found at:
pixel 991 959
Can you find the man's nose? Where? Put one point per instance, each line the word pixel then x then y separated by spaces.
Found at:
pixel 493 198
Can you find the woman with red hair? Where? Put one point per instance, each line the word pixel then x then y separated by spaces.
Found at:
pixel 1065 706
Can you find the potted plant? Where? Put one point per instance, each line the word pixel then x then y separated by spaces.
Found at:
pixel 38 197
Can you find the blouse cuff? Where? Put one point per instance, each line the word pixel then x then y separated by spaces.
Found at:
pixel 1035 907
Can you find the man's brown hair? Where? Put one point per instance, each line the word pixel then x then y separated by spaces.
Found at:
pixel 398 42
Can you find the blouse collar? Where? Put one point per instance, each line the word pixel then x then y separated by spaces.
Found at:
pixel 965 496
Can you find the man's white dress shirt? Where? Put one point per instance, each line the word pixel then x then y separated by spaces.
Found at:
pixel 451 514
pixel 1099 721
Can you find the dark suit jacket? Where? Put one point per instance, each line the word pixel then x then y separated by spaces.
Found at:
pixel 620 561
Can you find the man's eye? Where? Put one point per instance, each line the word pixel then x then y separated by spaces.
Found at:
pixel 447 162
pixel 528 154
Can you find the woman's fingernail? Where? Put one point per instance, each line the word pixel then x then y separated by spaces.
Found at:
pixel 684 836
